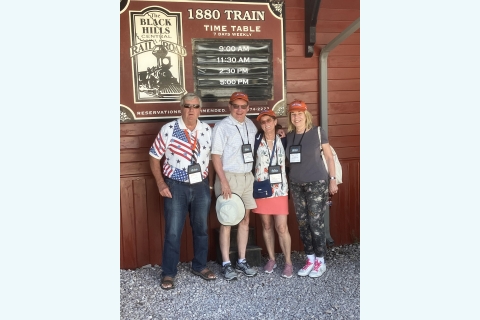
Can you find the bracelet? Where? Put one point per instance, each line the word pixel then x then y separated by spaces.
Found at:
pixel 332 178
pixel 211 188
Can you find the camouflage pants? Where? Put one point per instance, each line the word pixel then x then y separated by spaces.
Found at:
pixel 310 201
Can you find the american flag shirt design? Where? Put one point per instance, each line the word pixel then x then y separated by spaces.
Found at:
pixel 176 146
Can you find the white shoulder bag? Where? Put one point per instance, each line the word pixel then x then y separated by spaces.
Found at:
pixel 338 166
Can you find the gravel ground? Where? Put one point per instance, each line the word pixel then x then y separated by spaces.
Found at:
pixel 334 295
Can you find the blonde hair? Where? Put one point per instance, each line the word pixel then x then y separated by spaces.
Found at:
pixel 308 121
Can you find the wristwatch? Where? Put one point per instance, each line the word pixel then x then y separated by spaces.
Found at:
pixel 332 178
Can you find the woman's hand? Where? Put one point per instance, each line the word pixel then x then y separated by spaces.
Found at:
pixel 333 188
pixel 281 133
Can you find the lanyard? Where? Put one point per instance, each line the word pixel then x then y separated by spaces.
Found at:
pixel 248 140
pixel 193 146
pixel 268 150
pixel 299 142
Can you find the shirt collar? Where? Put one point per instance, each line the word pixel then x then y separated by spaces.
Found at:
pixel 235 121
pixel 182 125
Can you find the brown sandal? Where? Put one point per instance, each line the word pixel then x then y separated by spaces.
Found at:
pixel 205 274
pixel 167 281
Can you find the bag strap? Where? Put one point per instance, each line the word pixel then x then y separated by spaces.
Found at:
pixel 258 138
pixel 273 150
pixel 320 138
pixel 321 150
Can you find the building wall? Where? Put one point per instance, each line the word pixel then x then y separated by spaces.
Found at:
pixel 141 234
pixel 343 99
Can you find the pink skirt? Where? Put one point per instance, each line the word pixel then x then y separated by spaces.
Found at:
pixel 275 205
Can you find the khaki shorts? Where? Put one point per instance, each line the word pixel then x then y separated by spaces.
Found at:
pixel 241 184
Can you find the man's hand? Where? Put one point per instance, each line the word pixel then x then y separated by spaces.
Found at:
pixel 164 190
pixel 226 192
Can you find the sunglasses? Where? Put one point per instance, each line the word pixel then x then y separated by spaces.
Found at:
pixel 189 106
pixel 269 120
pixel 243 106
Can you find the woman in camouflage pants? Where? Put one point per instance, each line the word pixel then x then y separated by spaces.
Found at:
pixel 310 184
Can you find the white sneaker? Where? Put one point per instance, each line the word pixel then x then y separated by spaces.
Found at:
pixel 306 269
pixel 318 269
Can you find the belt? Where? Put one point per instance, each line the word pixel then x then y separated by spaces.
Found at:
pixel 243 174
pixel 184 182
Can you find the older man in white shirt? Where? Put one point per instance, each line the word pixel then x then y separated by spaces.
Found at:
pixel 232 157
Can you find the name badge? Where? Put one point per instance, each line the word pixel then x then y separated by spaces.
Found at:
pixel 275 174
pixel 247 153
pixel 194 173
pixel 296 154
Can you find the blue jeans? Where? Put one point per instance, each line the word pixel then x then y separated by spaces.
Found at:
pixel 194 199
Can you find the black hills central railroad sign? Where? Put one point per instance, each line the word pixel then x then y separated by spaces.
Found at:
pixel 213 48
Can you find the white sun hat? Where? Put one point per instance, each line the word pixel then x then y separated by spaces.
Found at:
pixel 230 211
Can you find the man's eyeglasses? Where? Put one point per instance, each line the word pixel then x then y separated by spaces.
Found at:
pixel 189 106
pixel 269 120
pixel 236 106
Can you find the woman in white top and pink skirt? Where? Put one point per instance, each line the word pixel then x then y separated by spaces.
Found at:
pixel 273 210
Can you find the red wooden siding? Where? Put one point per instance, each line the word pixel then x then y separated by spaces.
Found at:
pixel 141 216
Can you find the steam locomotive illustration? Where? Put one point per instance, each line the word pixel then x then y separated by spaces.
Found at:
pixel 158 80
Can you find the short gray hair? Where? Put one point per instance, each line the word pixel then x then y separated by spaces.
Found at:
pixel 190 96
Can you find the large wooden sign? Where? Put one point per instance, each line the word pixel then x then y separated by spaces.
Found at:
pixel 213 48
